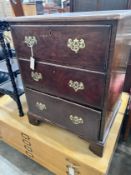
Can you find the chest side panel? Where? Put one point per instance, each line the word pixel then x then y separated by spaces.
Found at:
pixel 127 83
pixel 116 72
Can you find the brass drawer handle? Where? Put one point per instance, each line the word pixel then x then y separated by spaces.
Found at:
pixel 76 120
pixel 36 76
pixel 76 44
pixel 41 106
pixel 76 85
pixel 30 41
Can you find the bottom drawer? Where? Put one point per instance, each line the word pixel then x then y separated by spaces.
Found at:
pixel 83 121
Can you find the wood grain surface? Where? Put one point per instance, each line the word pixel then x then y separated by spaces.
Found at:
pixel 55 81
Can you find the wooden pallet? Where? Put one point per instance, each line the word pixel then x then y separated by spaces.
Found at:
pixel 54 148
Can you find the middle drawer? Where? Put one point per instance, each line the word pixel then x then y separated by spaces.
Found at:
pixel 77 85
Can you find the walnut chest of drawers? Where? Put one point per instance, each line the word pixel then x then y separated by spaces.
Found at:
pixel 73 68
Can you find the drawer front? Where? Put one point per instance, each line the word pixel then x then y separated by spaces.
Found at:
pixel 84 46
pixel 73 84
pixel 82 121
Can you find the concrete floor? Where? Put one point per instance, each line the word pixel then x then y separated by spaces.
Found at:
pixel 14 163
pixel 121 162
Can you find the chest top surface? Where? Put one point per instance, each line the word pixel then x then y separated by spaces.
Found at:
pixel 77 16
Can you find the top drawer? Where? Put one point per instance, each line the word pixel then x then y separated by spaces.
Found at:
pixel 82 46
